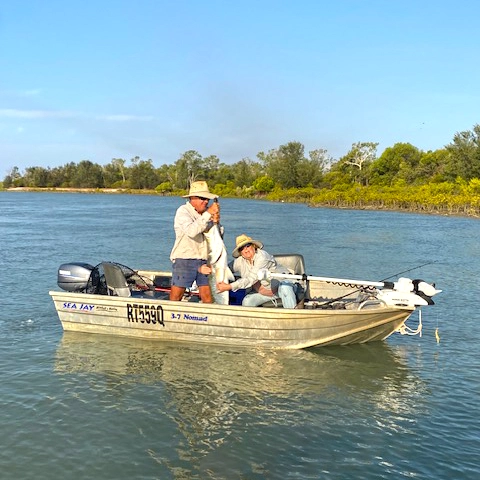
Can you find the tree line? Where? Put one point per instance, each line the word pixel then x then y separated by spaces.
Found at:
pixel 289 174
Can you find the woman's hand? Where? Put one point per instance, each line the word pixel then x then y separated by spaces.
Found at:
pixel 223 287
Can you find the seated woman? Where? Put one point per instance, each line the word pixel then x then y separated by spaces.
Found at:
pixel 249 259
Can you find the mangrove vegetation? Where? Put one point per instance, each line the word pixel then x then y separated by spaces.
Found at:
pixel 402 177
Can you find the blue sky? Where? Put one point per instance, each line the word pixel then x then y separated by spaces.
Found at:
pixel 104 79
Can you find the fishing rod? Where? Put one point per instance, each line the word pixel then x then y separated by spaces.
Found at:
pixel 344 281
pixel 265 273
pixel 387 278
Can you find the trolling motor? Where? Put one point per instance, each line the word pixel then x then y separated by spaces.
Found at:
pixel 405 292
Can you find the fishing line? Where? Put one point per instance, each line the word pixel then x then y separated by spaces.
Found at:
pixel 409 270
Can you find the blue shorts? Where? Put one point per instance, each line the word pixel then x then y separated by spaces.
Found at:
pixel 185 272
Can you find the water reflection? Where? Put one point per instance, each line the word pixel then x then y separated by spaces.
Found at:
pixel 210 392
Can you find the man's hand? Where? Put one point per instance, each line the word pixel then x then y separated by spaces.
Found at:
pixel 214 211
pixel 205 269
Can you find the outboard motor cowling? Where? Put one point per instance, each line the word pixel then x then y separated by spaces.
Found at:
pixel 73 277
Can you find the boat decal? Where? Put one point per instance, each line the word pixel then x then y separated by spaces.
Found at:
pixel 81 307
pixel 151 314
pixel 104 308
pixel 187 316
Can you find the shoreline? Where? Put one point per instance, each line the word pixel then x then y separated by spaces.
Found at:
pixel 127 191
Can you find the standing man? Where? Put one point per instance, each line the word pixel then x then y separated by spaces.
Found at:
pixel 190 252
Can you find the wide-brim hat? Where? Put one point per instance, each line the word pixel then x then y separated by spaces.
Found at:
pixel 200 189
pixel 243 240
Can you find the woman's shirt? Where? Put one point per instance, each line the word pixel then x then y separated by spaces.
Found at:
pixel 248 272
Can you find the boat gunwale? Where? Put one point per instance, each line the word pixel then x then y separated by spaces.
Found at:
pixel 235 308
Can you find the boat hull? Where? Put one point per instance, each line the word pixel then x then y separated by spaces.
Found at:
pixel 224 324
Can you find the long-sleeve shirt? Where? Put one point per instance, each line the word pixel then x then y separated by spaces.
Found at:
pixel 189 226
pixel 248 272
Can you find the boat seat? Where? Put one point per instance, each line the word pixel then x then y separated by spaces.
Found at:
pixel 294 262
pixel 117 284
pixel 115 279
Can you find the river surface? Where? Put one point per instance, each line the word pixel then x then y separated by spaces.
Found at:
pixel 83 406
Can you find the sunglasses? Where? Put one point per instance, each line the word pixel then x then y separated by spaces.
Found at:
pixel 245 246
pixel 202 199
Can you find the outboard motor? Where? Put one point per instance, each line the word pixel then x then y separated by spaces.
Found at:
pixel 73 277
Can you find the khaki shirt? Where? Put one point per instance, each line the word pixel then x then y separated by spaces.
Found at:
pixel 189 226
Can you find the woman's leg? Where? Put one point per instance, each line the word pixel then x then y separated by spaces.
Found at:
pixel 286 291
pixel 255 299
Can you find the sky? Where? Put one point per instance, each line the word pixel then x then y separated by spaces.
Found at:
pixel 103 79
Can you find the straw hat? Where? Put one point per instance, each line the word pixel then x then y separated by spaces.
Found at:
pixel 243 240
pixel 200 189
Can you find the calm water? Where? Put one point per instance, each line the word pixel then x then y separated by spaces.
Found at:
pixel 94 407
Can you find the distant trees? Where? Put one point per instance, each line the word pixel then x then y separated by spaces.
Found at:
pixel 244 172
pixel 286 171
pixel 142 175
pixel 397 163
pixel 464 155
pixel 88 174
pixel 264 184
pixel 288 167
pixel 114 173
pixel 36 177
pixel 360 157
pixel 354 166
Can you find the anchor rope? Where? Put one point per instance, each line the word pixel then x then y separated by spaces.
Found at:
pixel 406 330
